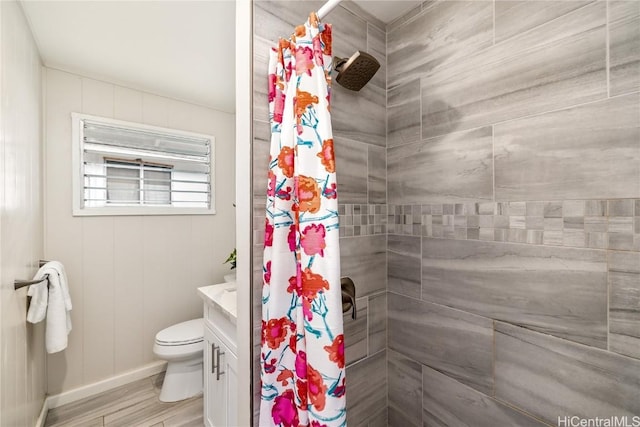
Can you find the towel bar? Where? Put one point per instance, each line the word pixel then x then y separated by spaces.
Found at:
pixel 22 283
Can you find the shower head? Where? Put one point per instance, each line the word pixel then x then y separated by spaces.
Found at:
pixel 355 72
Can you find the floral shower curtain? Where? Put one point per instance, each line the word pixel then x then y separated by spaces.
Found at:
pixel 302 355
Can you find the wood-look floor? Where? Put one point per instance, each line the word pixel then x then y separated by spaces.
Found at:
pixel 134 404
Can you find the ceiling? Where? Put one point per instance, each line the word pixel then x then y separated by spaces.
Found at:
pixel 180 49
pixel 387 11
pixel 177 48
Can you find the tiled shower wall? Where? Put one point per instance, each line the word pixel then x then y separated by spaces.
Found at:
pixel 513 168
pixel 359 125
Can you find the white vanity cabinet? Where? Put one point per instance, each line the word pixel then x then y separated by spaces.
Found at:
pixel 220 355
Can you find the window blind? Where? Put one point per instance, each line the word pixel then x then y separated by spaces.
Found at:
pixel 129 166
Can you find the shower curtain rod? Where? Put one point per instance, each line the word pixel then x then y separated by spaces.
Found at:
pixel 327 7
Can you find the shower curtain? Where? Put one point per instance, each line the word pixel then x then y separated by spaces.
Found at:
pixel 302 354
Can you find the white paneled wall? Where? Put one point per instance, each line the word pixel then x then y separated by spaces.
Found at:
pixel 22 357
pixel 130 276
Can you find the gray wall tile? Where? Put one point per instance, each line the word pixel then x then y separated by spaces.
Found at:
pixel 260 158
pixel 260 80
pixel 278 18
pixel 444 32
pixel 559 291
pixel 547 68
pixel 586 152
pixel 514 17
pixel 398 418
pixel 551 377
pixel 377 175
pixel 624 46
pixel 446 402
pixel 403 114
pixel 355 332
pixel 379 419
pixel 624 303
pixel 620 207
pixel 367 389
pixel 404 266
pixel 456 343
pixel 360 116
pixel 349 31
pixel 351 169
pixel 398 22
pixel 377 46
pixel 454 167
pixel 377 323
pixel 364 260
pixel 405 390
pixel 362 13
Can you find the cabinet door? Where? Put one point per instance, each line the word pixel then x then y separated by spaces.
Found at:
pixel 215 394
pixel 221 379
pixel 230 363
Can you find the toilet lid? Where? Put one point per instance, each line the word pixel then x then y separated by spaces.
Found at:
pixel 188 332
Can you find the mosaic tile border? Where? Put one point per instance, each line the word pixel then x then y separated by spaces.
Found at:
pixel 362 220
pixel 599 224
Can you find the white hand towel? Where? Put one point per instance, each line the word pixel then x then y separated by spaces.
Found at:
pixel 39 294
pixel 58 304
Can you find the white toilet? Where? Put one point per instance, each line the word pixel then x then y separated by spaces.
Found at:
pixel 181 345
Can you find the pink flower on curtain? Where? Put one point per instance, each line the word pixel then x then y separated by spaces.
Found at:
pixel 304 60
pixel 317 51
pixel 301 364
pixel 268 233
pixel 271 187
pixel 330 191
pixel 312 239
pixel 291 238
pixel 284 410
pixel 272 87
pixel 278 107
pixel 267 273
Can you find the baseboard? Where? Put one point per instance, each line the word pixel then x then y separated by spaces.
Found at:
pixel 101 386
pixel 42 418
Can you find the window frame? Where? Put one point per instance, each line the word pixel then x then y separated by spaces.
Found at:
pixel 77 164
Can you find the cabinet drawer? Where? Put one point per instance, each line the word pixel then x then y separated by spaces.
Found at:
pixel 222 324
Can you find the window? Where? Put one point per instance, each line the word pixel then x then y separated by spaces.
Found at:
pixel 123 168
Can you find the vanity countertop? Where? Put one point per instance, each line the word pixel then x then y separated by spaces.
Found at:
pixel 222 296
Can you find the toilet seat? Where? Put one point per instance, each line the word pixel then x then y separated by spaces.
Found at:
pixel 185 333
